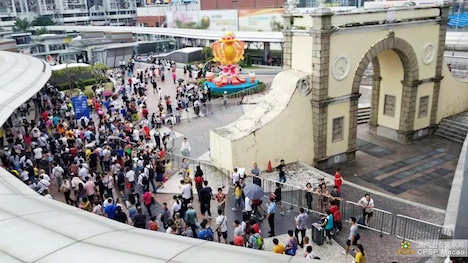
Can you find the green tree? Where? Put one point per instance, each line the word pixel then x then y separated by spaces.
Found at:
pixel 21 25
pixel 207 53
pixel 43 21
pixel 41 31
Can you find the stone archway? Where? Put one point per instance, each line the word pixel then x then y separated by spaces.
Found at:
pixel 410 85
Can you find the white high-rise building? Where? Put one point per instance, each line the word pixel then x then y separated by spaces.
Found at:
pixel 71 12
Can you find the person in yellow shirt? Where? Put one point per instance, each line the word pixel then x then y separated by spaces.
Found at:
pixel 360 256
pixel 278 248
pixel 238 194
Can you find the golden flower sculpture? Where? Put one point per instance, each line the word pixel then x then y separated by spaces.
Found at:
pixel 228 50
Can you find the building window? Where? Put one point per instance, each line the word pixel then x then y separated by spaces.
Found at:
pixel 389 105
pixel 337 129
pixel 423 106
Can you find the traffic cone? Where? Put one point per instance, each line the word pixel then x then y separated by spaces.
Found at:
pixel 269 169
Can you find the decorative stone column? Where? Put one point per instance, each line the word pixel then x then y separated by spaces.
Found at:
pixel 321 32
pixel 287 41
pixel 408 111
pixel 444 12
pixel 374 114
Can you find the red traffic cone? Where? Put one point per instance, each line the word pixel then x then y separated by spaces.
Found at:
pixel 269 169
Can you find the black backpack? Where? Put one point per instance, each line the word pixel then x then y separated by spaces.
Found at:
pixel 145 180
pixel 151 173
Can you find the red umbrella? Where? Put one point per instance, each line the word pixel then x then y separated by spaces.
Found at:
pixel 107 93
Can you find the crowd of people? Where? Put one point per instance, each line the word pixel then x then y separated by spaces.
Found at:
pixel 108 164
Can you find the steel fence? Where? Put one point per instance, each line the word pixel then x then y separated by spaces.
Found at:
pixel 412 229
pixel 381 221
pixel 291 196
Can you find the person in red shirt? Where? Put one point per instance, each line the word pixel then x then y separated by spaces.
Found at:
pixel 337 217
pixel 338 179
pixel 153 224
pixel 254 225
pixel 45 115
pixel 148 201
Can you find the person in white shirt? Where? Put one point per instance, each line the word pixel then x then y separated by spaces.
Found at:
pixel 367 204
pixel 222 229
pixel 235 176
pixel 43 184
pixel 186 192
pixel 185 148
pixel 83 172
pixel 44 175
pixel 37 154
pixel 25 176
pixel 130 176
pixel 248 207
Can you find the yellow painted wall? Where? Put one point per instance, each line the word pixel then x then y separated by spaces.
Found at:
pixel 302 53
pixel 336 111
pixel 391 71
pixel 453 97
pixel 288 137
pixel 280 127
pixel 426 89
pixel 363 40
pixel 220 150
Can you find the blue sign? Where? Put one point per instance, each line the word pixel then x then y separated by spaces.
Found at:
pixel 80 105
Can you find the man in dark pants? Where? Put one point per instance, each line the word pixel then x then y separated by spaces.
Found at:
pixel 271 215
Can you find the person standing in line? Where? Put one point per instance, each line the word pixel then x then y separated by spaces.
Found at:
pixel 360 256
pixel 367 204
pixel 222 229
pixel 165 215
pixel 282 172
pixel 185 148
pixel 328 225
pixel 278 197
pixel 147 199
pixel 206 195
pixel 353 235
pixel 338 179
pixel 271 215
pixel 191 219
pixel 301 227
pixel 255 172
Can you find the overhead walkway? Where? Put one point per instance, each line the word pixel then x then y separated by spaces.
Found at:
pixel 457 39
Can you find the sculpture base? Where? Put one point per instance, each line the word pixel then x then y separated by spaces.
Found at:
pixel 230 88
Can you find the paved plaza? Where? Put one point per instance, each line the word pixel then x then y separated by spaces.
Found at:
pixel 382 165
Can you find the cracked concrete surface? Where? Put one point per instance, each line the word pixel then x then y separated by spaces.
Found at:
pixel 274 103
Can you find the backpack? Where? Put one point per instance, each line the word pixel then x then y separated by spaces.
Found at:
pixel 337 216
pixel 258 241
pixel 150 172
pixel 145 180
pixel 92 137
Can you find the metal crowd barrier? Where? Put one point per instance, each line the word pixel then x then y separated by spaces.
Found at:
pixel 381 221
pixel 412 229
pixel 291 195
pixel 384 222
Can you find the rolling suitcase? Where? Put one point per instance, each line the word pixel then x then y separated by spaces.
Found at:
pixel 318 235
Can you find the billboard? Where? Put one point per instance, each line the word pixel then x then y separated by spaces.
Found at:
pixel 266 20
pixel 216 20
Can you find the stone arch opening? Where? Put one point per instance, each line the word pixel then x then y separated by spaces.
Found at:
pixel 408 85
